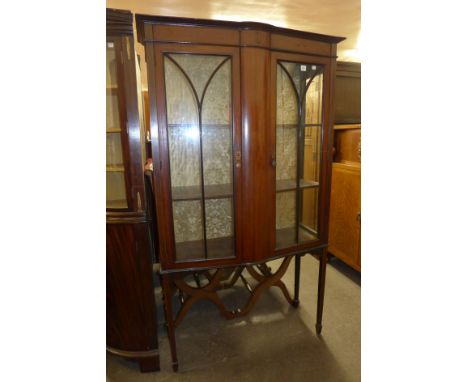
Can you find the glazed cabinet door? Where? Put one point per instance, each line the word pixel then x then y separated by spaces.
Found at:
pixel 199 153
pixel 302 126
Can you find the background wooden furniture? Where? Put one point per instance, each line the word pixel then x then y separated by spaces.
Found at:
pixel 345 201
pixel 345 214
pixel 241 126
pixel 348 93
pixel 131 309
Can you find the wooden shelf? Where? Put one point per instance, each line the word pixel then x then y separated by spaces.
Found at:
pixel 347 127
pixel 214 191
pixel 113 130
pixel 218 248
pixel 290 184
pixel 115 168
pixel 286 237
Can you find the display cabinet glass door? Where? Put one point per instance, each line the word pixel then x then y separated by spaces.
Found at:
pixel 198 91
pixel 116 190
pixel 298 150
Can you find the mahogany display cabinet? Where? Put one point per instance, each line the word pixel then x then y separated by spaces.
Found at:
pixel 131 325
pixel 241 118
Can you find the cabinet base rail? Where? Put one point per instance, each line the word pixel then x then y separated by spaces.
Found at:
pixel 191 287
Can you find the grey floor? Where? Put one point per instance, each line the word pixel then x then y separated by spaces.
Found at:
pixel 274 343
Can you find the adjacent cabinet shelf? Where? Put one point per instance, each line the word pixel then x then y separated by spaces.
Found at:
pixel 115 168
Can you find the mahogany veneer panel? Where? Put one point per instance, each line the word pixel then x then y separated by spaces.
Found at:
pixel 295 44
pixel 181 33
pixel 129 286
pixel 258 147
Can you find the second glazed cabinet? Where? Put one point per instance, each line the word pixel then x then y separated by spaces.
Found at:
pixel 241 119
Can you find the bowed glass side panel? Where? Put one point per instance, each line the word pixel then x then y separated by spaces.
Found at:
pixel 299 89
pixel 199 124
pixel 116 197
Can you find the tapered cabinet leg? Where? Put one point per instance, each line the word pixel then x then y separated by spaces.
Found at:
pixel 297 279
pixel 166 282
pixel 321 289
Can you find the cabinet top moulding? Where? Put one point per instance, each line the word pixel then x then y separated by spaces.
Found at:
pixel 119 22
pixel 231 33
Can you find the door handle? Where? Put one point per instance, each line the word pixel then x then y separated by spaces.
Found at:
pixel 238 158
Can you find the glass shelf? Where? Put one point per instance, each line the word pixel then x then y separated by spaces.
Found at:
pixel 115 168
pixel 204 125
pixel 221 247
pixel 213 191
pixel 286 237
pixel 290 184
pixel 115 190
pixel 116 204
pixel 293 125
